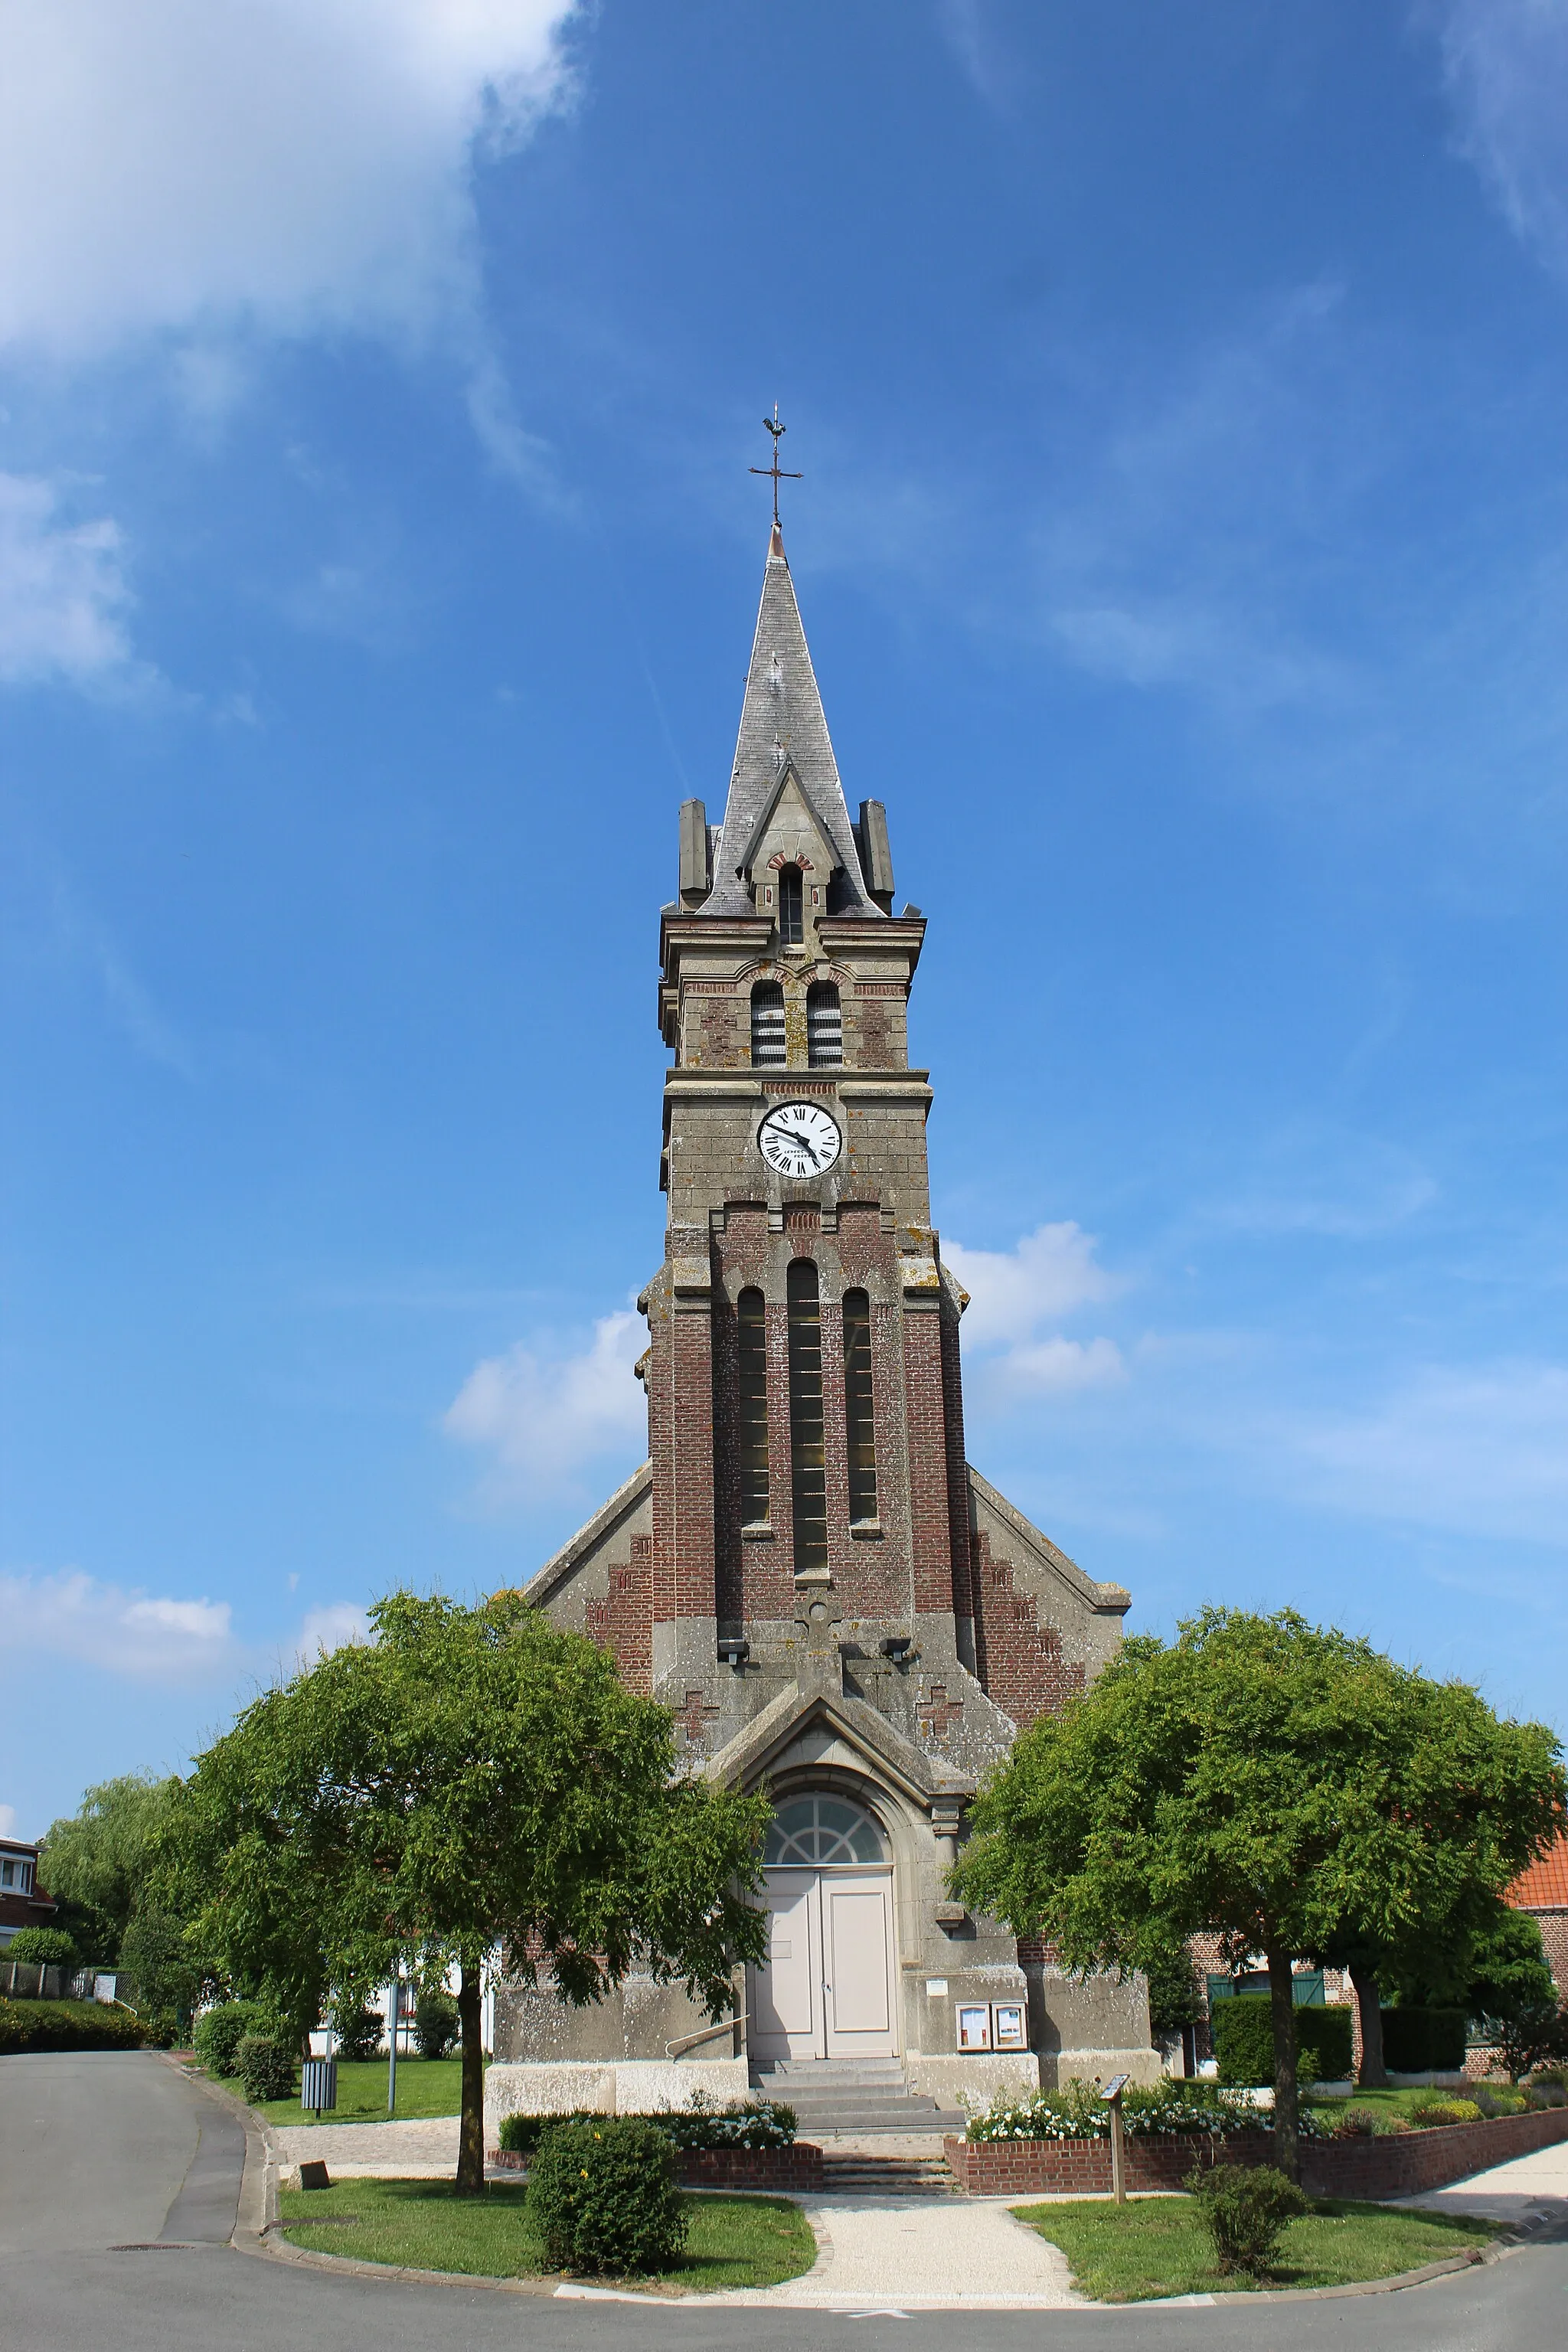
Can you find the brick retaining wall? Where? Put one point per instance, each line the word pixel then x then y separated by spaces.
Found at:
pixel 794 2172
pixel 1399 2164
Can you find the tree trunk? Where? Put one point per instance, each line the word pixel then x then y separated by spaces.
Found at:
pixel 1373 2075
pixel 1282 2008
pixel 472 2129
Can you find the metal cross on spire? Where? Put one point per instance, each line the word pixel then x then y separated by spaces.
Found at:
pixel 776 472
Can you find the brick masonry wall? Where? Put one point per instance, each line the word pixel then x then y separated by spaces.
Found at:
pixel 931 1526
pixel 1398 2165
pixel 623 1622
pixel 794 2172
pixel 1019 1661
pixel 1553 1927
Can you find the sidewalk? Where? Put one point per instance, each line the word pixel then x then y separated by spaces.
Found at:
pixel 1530 2188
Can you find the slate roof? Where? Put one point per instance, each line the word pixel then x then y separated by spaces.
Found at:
pixel 783 707
pixel 1544 1886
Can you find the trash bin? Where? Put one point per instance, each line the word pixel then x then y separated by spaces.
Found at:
pixel 319 2084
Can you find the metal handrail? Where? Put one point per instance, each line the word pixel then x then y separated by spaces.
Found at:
pixel 708 2033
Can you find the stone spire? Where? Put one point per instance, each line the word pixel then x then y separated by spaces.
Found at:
pixel 783 727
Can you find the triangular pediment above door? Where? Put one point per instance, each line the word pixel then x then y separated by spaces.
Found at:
pixel 801 1726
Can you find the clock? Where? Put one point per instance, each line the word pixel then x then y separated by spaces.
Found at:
pixel 799 1138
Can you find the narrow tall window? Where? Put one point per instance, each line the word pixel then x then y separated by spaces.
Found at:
pixel 860 1424
pixel 808 1461
pixel 824 1026
pixel 753 1351
pixel 767 1026
pixel 791 907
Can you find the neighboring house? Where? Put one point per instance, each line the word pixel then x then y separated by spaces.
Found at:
pixel 23 1902
pixel 1543 1890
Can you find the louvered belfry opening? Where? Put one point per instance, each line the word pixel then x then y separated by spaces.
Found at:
pixel 752 1353
pixel 860 1419
pixel 824 1026
pixel 791 907
pixel 808 1459
pixel 767 1026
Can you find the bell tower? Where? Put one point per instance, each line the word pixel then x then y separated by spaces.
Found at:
pixel 804 1410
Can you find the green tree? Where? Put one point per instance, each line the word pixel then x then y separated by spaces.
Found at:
pixel 1269 1782
pixel 471 1779
pixel 97 1862
pixel 166 1976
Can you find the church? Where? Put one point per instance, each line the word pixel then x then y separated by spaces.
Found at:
pixel 838 1608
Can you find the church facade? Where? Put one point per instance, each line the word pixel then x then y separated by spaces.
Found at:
pixel 837 1607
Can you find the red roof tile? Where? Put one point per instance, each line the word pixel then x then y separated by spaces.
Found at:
pixel 1544 1886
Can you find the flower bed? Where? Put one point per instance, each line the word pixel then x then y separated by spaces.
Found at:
pixel 1183 2111
pixel 791 2170
pixel 1397 2165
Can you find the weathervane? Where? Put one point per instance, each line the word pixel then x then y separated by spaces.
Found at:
pixel 775 472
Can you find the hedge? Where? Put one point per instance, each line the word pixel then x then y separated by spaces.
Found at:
pixel 1243 2031
pixel 1424 2040
pixel 67 2025
pixel 602 2195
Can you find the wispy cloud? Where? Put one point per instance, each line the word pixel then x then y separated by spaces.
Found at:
pixel 7 1821
pixel 330 1628
pixel 63 589
pixel 1016 1294
pixel 1477 1450
pixel 1316 1178
pixel 1506 63
pixel 542 1416
pixel 148 1637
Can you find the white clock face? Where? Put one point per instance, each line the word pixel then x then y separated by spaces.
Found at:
pixel 800 1139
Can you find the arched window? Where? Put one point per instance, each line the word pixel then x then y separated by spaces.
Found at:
pixel 808 1460
pixel 753 1351
pixel 791 907
pixel 767 1026
pixel 861 1423
pixel 824 1026
pixel 820 1831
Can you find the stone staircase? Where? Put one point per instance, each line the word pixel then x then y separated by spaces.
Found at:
pixel 887 2176
pixel 832 2095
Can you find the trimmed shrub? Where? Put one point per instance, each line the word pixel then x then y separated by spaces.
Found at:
pixel 1417 2040
pixel 266 2068
pixel 43 1947
pixel 1247 2209
pixel 358 2032
pixel 436 2024
pixel 220 2030
pixel 1243 2030
pixel 602 2193
pixel 1367 2123
pixel 67 2025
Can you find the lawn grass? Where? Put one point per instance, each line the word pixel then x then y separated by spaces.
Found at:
pixel 1158 2245
pixel 424 2225
pixel 426 2086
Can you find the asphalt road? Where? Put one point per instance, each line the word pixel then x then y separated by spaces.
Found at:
pixel 119 2184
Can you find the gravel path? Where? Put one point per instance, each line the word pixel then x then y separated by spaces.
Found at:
pixel 417 2150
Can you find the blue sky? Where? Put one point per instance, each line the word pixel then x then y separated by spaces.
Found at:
pixel 1183 548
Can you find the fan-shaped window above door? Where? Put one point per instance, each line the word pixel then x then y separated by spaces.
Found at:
pixel 817 1830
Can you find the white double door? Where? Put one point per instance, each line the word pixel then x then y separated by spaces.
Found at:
pixel 827 1989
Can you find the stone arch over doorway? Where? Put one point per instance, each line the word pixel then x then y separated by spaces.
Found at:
pixel 829 1987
